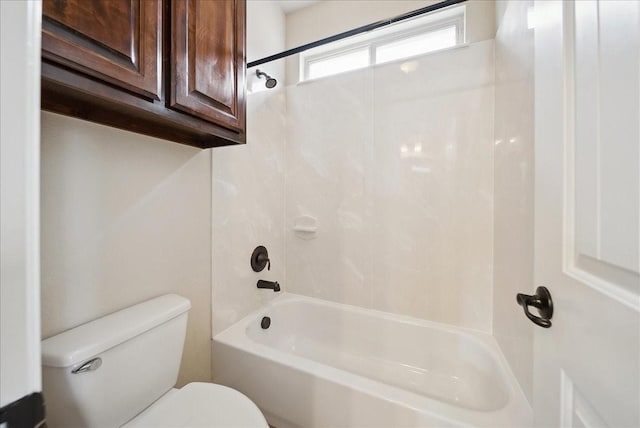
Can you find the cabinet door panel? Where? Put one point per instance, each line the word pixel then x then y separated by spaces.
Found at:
pixel 117 41
pixel 207 61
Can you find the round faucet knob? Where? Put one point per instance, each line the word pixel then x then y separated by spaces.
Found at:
pixel 260 259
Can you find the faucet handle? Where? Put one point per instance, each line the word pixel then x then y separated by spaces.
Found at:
pixel 260 259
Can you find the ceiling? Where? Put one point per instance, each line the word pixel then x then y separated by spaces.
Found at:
pixel 288 6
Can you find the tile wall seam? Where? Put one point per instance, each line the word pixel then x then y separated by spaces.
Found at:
pixel 493 193
pixel 284 182
pixel 211 258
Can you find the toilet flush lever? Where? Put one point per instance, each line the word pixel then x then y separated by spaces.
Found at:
pixel 89 366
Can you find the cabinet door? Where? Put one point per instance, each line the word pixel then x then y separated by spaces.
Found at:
pixel 116 41
pixel 208 60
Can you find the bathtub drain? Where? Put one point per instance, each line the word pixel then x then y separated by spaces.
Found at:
pixel 265 323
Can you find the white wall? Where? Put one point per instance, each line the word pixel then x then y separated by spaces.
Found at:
pixel 266 27
pixel 248 183
pixel 513 189
pixel 19 205
pixel 396 162
pixel 128 217
pixel 125 218
pixel 327 18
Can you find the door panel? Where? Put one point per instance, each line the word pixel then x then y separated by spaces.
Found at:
pixel 208 73
pixel 20 365
pixel 587 187
pixel 116 41
pixel 577 410
pixel 602 63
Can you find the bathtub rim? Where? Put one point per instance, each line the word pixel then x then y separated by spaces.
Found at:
pixel 235 336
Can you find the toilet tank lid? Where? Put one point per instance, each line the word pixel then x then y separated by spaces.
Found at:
pixel 87 340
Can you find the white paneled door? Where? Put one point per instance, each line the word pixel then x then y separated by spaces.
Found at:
pixel 587 365
pixel 19 205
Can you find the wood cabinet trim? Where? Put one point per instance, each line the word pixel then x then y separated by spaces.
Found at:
pixel 185 94
pixel 64 92
pixel 140 74
pixel 97 76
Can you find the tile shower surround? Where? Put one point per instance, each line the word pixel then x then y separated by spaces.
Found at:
pixel 415 240
pixel 396 162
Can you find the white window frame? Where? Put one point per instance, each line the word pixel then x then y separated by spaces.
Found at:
pixel 455 17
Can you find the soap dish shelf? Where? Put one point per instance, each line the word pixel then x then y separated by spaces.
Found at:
pixel 306 227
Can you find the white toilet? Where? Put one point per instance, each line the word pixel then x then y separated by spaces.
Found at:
pixel 120 370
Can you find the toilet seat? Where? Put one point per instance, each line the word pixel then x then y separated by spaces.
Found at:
pixel 201 405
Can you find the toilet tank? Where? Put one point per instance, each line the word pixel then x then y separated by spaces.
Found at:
pixel 105 372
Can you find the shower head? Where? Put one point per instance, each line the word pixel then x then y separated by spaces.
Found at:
pixel 270 83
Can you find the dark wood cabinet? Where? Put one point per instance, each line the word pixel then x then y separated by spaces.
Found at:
pixel 116 41
pixel 211 90
pixel 173 69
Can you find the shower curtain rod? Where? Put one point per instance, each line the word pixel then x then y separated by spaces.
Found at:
pixel 355 31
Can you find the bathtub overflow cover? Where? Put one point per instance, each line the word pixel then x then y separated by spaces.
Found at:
pixel 265 323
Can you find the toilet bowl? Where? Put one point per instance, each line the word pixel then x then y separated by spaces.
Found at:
pixel 200 405
pixel 120 371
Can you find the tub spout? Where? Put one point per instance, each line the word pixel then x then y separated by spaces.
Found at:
pixel 269 284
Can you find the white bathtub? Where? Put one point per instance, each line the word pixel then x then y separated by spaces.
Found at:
pixel 323 364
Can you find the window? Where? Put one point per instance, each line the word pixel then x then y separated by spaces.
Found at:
pixel 418 36
pixel 338 63
pixel 416 45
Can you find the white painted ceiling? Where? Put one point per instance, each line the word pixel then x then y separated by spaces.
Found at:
pixel 288 6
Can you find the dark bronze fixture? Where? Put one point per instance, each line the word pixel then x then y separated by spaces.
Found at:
pixel 265 323
pixel 542 301
pixel 260 259
pixel 271 285
pixel 270 82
